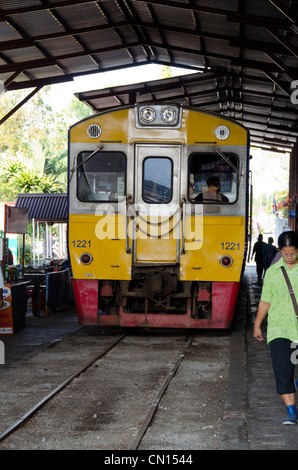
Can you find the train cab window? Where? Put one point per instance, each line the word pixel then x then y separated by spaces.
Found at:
pixel 212 179
pixel 157 180
pixel 101 177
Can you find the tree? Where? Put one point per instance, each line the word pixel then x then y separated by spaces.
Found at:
pixel 15 178
pixel 33 146
pixel 56 167
pixel 78 109
pixel 166 72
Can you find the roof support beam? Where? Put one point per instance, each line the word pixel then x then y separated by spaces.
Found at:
pixel 11 79
pixel 261 21
pixel 284 143
pixel 232 16
pixel 284 42
pixel 284 10
pixel 26 42
pixel 70 77
pixel 38 83
pixel 290 73
pixel 19 105
pixel 278 82
pixel 236 42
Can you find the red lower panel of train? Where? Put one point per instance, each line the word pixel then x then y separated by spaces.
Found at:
pixel 224 298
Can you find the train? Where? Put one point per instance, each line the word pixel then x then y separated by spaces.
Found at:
pixel 158 206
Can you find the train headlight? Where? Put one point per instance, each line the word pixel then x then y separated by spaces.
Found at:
pixel 147 115
pixel 158 116
pixel 168 115
pixel 86 258
pixel 222 132
pixel 226 261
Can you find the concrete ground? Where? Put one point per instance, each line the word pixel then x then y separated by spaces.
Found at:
pixel 225 384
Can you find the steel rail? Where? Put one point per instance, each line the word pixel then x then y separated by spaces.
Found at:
pixel 20 422
pixel 156 401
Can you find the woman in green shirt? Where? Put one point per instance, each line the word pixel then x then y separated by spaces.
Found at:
pixel 282 327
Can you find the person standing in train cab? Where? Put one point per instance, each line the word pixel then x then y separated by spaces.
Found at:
pixel 282 327
pixel 213 193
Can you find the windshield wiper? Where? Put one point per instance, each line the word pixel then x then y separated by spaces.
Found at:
pixel 80 164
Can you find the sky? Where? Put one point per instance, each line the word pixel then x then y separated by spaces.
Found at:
pixel 62 93
pixel 270 171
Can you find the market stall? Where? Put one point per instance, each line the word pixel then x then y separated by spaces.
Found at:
pixel 13 305
pixel 48 274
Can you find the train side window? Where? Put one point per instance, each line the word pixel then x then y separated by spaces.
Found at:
pixel 211 180
pixel 157 180
pixel 101 177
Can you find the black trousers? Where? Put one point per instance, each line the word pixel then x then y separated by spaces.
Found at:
pixel 283 365
pixel 260 269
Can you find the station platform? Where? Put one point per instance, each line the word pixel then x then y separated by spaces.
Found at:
pixel 253 412
pixel 38 334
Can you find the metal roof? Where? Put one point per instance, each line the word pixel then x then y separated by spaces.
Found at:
pixel 271 120
pixel 246 49
pixel 44 207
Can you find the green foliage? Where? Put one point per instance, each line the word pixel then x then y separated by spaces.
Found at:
pixel 166 72
pixel 11 169
pixel 265 200
pixel 33 146
pixel 15 178
pixel 79 109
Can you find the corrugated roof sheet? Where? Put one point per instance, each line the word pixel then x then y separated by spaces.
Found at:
pixel 270 117
pixel 181 33
pixel 44 207
pixel 255 43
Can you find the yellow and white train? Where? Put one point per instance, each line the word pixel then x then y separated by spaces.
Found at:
pixel 158 205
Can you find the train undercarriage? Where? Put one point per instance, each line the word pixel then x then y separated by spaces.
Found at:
pixel 156 297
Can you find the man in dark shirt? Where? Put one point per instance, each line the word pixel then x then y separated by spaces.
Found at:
pixel 258 251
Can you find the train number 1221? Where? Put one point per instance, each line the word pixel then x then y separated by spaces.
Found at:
pixel 81 243
pixel 230 246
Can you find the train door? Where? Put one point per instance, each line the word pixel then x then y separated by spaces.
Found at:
pixel 157 210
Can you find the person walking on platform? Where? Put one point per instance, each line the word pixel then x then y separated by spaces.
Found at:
pixel 269 253
pixel 282 325
pixel 259 259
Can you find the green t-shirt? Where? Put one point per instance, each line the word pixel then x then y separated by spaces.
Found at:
pixel 282 320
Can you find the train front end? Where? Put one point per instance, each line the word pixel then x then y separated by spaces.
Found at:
pixel 150 244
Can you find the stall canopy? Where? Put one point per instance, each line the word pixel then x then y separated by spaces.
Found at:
pixel 44 207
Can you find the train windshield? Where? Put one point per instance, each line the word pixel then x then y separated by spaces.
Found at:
pixel 157 180
pixel 101 177
pixel 212 179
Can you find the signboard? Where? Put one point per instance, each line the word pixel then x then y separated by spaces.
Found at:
pixel 292 214
pixel 6 322
pixel 16 220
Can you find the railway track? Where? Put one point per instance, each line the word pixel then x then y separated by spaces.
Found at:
pixel 154 405
pixel 152 380
pixel 54 392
